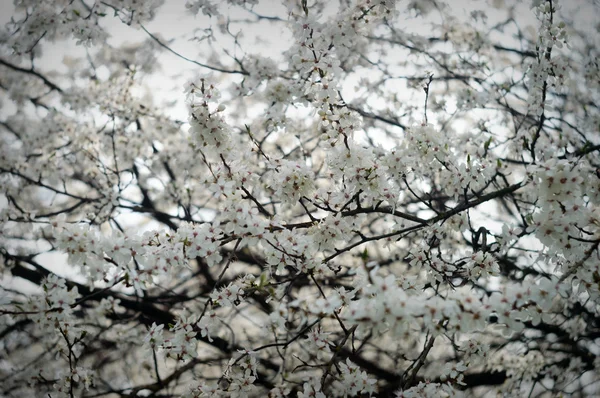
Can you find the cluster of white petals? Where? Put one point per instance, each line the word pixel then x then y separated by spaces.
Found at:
pixel 373 198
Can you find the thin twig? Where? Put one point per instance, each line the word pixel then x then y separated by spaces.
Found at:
pixel 215 68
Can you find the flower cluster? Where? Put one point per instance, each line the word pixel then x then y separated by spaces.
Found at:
pixel 358 170
pixel 326 223
pixel 201 241
pixel 383 305
pixel 55 311
pixel 353 382
pixel 66 384
pixel 228 296
pixel 482 265
pixel 552 36
pixel 292 181
pixel 566 218
pixel 209 130
pixel 182 343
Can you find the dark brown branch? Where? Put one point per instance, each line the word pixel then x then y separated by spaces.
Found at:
pixel 33 73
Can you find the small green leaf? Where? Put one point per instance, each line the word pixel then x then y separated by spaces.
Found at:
pixel 364 255
pixel 487 143
pixel 263 279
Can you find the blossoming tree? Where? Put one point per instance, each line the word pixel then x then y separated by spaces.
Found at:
pixel 404 203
